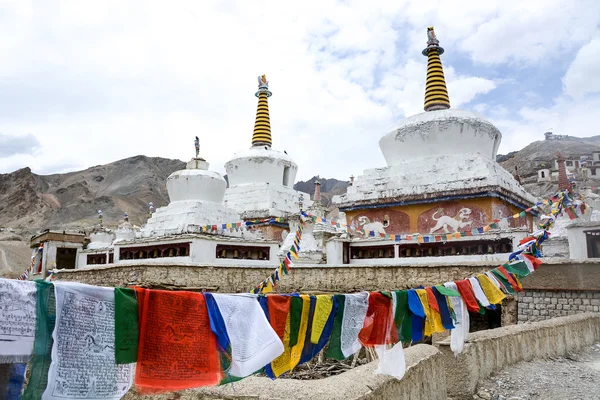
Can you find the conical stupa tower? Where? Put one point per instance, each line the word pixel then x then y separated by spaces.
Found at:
pixel 262 125
pixel 439 162
pixel 436 93
pixel 261 179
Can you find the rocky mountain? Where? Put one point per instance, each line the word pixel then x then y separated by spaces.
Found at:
pixel 329 188
pixel 30 201
pixel 542 154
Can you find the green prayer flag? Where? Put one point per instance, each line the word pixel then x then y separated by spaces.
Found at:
pixel 334 349
pixel 518 268
pixel 447 291
pixel 39 364
pixel 295 318
pixel 403 317
pixel 500 276
pixel 481 308
pixel 126 326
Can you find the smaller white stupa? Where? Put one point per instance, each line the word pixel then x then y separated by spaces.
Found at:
pixel 196 199
pixel 126 230
pixel 261 179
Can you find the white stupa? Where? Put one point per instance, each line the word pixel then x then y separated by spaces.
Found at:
pixel 196 199
pixel 441 152
pixel 261 179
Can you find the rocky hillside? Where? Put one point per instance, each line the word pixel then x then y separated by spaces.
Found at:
pixel 541 154
pixel 329 188
pixel 29 201
pixel 14 254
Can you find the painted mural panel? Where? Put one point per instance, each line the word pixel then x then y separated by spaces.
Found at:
pixel 501 210
pixel 451 217
pixel 382 221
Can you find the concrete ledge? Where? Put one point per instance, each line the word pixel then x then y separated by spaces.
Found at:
pixel 424 379
pixel 489 351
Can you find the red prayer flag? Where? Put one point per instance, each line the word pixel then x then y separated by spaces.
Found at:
pixel 279 307
pixel 432 300
pixel 177 349
pixel 527 239
pixel 378 327
pixel 534 261
pixel 466 292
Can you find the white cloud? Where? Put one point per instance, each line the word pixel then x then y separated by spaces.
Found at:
pixel 583 75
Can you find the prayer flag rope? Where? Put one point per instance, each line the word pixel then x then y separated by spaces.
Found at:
pixel 285 265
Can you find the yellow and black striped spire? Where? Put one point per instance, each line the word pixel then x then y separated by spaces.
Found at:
pixel 436 93
pixel 262 126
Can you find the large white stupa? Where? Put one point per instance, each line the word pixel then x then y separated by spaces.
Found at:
pixel 261 179
pixel 439 153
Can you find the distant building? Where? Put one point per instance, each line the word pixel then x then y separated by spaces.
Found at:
pixel 551 136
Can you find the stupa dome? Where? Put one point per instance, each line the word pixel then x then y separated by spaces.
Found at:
pixel 196 182
pixel 100 240
pixel 260 165
pixel 441 132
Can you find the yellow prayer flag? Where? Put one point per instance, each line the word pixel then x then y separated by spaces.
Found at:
pixel 491 291
pixel 516 216
pixel 456 235
pixel 420 239
pixel 433 319
pixel 268 288
pixel 323 309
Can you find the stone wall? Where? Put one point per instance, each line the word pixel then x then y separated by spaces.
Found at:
pixel 306 278
pixel 538 305
pixel 424 380
pixel 486 352
pixel 560 287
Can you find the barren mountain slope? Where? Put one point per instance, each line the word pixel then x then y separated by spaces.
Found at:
pixel 28 200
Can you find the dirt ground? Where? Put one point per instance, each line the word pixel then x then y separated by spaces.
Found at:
pixel 573 377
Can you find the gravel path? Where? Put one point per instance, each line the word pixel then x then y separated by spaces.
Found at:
pixel 573 377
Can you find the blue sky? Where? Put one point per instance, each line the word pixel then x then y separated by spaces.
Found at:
pixel 89 83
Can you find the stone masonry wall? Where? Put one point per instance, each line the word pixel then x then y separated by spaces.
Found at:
pixel 539 305
pixel 306 278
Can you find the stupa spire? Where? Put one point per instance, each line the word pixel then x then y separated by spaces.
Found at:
pixel 436 93
pixel 563 180
pixel 317 195
pixel 262 126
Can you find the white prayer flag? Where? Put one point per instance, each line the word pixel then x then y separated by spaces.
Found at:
pixel 254 343
pixel 83 354
pixel 479 294
pixel 17 320
pixel 461 325
pixel 355 311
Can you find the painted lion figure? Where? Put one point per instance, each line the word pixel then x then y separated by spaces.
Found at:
pixel 455 223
